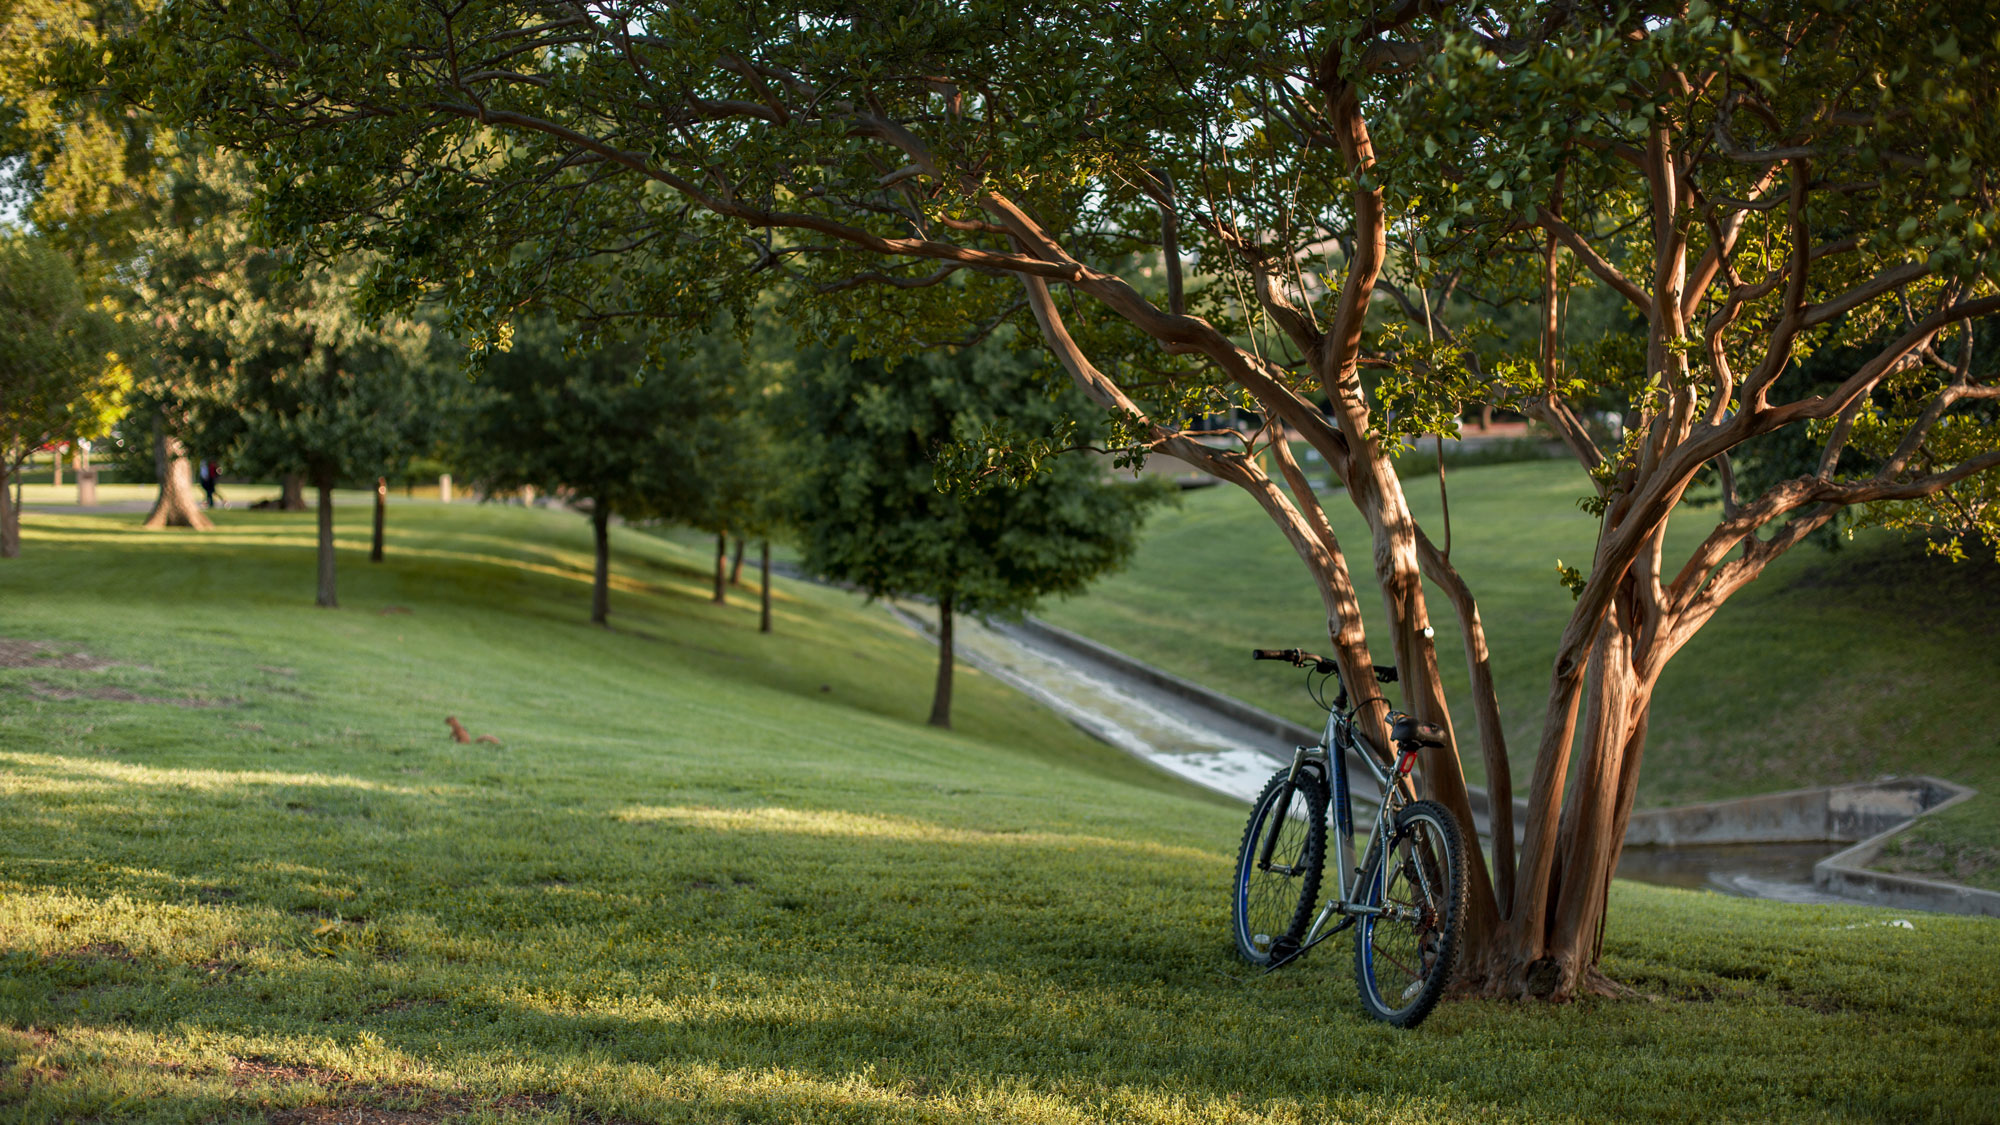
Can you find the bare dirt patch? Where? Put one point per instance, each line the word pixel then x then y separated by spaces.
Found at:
pixel 17 653
pixel 252 1070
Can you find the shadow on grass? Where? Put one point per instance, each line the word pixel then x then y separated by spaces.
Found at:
pixel 449 950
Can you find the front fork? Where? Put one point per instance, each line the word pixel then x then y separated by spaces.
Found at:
pixel 1300 756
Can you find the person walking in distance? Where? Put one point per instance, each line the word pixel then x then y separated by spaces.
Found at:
pixel 207 478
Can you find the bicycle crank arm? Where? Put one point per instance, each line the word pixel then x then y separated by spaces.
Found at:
pixel 1301 950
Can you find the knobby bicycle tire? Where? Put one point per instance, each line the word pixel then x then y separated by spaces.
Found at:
pixel 1272 906
pixel 1404 962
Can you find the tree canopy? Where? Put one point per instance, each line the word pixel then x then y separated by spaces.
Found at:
pixel 868 509
pixel 628 422
pixel 264 358
pixel 1197 205
pixel 61 377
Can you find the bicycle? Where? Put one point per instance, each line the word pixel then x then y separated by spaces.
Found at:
pixel 1406 899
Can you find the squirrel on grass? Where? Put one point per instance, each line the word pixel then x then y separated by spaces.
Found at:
pixel 460 734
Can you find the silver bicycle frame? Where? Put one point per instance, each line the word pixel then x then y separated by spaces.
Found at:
pixel 1347 875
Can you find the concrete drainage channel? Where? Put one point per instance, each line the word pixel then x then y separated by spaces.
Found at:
pixel 1864 815
pixel 1769 846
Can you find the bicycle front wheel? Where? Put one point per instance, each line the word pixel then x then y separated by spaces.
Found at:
pixel 1279 866
pixel 1404 956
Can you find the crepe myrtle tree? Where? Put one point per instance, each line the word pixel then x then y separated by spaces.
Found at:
pixel 869 511
pixel 626 420
pixel 1199 204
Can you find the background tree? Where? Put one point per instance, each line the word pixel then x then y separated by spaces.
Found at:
pixel 80 167
pixel 275 369
pixel 746 464
pixel 868 509
pixel 618 418
pixel 59 376
pixel 1749 178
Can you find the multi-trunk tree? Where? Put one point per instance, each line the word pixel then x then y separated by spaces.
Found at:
pixel 1757 181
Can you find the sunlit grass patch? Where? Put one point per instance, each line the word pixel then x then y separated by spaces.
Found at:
pixel 713 875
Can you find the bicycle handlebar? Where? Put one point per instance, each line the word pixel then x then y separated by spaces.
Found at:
pixel 1298 658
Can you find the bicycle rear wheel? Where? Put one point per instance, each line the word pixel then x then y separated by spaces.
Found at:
pixel 1404 958
pixel 1278 868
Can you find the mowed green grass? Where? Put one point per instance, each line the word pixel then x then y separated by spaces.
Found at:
pixel 716 876
pixel 1831 667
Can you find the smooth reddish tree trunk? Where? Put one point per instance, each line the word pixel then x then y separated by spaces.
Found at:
pixel 600 588
pixel 326 599
pixel 941 697
pixel 381 509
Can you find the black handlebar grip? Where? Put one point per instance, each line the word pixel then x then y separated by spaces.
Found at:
pixel 1274 654
pixel 1385 673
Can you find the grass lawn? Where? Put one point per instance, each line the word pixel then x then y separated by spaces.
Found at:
pixel 1837 667
pixel 710 875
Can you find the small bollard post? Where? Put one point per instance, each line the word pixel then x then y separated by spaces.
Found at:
pixel 86 488
pixel 444 488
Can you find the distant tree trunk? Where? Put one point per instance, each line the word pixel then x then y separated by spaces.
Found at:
pixel 10 511
pixel 736 564
pixel 293 499
pixel 55 461
pixel 381 508
pixel 324 481
pixel 1485 417
pixel 600 590
pixel 176 505
pixel 721 562
pixel 764 591
pixel 941 698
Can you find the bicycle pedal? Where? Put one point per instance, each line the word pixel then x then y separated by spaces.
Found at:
pixel 1283 950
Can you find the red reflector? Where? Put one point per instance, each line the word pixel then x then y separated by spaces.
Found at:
pixel 1403 763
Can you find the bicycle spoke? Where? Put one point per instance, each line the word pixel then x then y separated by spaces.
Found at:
pixel 1411 947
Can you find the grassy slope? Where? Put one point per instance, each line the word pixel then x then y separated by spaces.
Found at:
pixel 1829 668
pixel 692 885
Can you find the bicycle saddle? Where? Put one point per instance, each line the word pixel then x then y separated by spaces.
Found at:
pixel 1407 729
